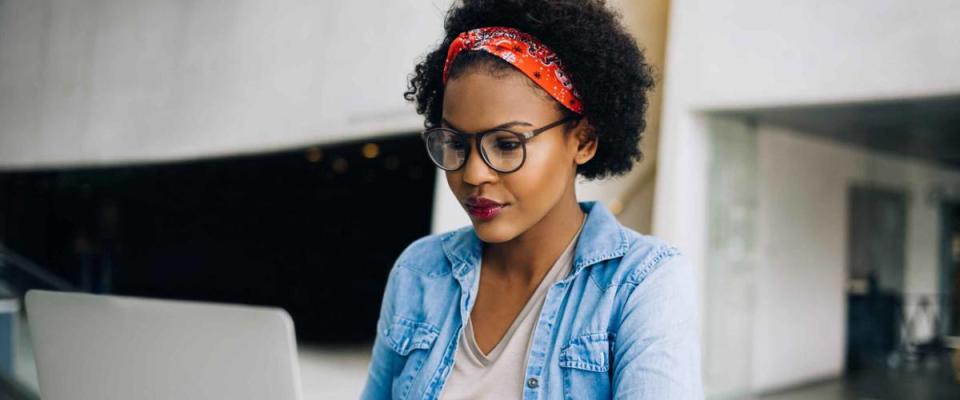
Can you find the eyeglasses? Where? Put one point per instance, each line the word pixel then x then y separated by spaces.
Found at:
pixel 501 149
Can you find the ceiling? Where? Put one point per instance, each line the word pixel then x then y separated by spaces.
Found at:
pixel 927 128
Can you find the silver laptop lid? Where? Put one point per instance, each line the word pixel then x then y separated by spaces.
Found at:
pixel 91 347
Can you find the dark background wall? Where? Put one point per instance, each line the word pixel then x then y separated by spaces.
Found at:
pixel 314 231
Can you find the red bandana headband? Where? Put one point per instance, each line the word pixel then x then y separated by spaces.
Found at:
pixel 523 51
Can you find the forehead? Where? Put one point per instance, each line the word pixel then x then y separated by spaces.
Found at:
pixel 478 100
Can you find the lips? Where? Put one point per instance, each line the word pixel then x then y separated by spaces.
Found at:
pixel 482 207
pixel 481 202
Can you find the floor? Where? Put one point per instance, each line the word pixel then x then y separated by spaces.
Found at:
pixel 931 382
pixel 333 373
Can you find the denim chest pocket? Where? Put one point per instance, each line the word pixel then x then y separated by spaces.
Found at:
pixel 404 335
pixel 585 363
pixel 411 340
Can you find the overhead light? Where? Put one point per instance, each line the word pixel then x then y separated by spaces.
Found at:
pixel 314 154
pixel 370 150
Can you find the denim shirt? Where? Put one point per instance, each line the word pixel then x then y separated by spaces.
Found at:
pixel 622 324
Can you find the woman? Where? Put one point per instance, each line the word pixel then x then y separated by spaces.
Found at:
pixel 542 296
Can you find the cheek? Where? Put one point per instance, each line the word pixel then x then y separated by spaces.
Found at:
pixel 453 181
pixel 542 177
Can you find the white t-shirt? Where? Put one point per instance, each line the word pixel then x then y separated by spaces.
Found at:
pixel 499 374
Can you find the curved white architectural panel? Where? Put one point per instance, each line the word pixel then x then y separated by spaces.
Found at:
pixel 117 81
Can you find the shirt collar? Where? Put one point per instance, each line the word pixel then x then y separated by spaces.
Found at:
pixel 601 238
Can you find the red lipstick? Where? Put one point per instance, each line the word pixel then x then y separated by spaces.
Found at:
pixel 483 208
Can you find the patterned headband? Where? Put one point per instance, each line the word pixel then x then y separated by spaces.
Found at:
pixel 524 52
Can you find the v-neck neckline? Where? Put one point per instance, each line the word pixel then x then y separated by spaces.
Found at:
pixel 533 301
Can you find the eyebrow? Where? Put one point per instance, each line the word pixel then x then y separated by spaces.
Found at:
pixel 501 126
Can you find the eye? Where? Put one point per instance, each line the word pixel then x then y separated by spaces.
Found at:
pixel 508 144
pixel 454 143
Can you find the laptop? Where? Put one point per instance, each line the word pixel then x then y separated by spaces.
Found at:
pixel 94 347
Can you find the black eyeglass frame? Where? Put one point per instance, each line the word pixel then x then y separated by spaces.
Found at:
pixel 523 137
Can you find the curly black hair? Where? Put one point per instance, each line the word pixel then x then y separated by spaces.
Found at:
pixel 603 61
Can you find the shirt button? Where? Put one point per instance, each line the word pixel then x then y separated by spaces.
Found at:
pixel 533 383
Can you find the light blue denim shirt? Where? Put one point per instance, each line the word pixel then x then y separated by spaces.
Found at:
pixel 622 324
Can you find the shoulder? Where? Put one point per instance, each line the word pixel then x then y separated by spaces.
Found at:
pixel 426 256
pixel 644 256
pixel 426 247
pixel 419 281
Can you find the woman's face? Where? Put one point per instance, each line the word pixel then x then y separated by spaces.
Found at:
pixel 477 100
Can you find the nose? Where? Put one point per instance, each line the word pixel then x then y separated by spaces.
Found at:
pixel 475 171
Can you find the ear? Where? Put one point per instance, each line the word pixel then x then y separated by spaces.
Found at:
pixel 586 140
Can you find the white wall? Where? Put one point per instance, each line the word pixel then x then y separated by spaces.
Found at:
pixel 726 55
pixel 730 54
pixel 101 82
pixel 803 226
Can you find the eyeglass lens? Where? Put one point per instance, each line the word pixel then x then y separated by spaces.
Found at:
pixel 502 150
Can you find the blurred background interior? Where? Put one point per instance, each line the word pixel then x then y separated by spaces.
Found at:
pixel 805 154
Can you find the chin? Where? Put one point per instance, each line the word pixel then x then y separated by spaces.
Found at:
pixel 491 232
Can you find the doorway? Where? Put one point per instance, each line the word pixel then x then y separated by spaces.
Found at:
pixel 877 237
pixel 950 266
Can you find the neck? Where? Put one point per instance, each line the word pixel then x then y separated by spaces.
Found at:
pixel 527 258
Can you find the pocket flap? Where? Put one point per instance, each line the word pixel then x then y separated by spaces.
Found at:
pixel 587 352
pixel 404 335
